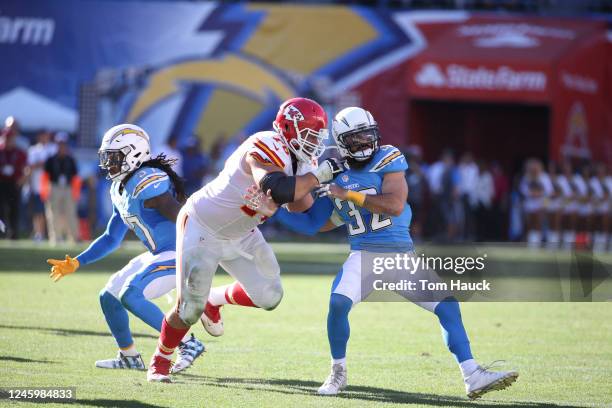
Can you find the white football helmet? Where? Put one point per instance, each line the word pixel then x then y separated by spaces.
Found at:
pixel 124 148
pixel 356 133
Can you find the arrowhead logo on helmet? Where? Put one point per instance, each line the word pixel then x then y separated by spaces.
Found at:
pixel 293 113
pixel 303 125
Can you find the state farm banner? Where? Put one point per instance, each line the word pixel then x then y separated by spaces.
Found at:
pixel 558 63
pixel 468 81
pixel 496 58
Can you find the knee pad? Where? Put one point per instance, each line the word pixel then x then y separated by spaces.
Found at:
pixel 128 295
pixel 340 304
pixel 270 296
pixel 107 300
pixel 448 309
pixel 190 310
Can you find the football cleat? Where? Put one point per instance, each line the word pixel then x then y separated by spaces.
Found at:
pixel 482 381
pixel 159 369
pixel 336 381
pixel 122 362
pixel 187 353
pixel 212 321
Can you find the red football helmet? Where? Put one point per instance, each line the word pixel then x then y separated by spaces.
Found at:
pixel 303 124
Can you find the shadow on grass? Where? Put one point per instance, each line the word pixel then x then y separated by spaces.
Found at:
pixel 71 332
pixel 97 402
pixel 101 402
pixel 25 360
pixel 356 392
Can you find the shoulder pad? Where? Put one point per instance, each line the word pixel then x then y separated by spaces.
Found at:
pixel 148 182
pixel 269 148
pixel 388 159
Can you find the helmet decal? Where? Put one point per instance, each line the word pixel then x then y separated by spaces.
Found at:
pixel 293 113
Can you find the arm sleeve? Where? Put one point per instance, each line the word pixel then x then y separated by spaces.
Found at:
pixel 309 222
pixel 105 243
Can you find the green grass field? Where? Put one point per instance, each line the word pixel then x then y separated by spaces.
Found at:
pixel 50 335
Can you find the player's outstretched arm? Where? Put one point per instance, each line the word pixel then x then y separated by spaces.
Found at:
pixel 98 249
pixel 391 201
pixel 166 204
pixel 287 189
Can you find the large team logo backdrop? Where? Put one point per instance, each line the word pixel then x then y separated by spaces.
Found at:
pixel 181 69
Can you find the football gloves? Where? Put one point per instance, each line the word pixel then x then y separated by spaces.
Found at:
pixel 61 268
pixel 329 169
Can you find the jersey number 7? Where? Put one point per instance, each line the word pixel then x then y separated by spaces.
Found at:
pixel 135 222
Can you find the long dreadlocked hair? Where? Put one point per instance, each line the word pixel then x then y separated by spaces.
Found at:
pixel 161 162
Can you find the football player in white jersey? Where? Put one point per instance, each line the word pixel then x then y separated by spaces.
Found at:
pixel 215 227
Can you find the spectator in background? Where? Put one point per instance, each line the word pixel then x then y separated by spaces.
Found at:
pixel 61 187
pixel 554 207
pixel 171 151
pixel 195 164
pixel 435 223
pixel 13 173
pixel 483 194
pixel 216 157
pixel 535 188
pixel 585 208
pixel 601 208
pixel 11 126
pixel 468 179
pixel 450 198
pixel 569 203
pixel 37 156
pixel 499 211
pixel 417 194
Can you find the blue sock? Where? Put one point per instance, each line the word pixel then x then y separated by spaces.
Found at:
pixel 117 319
pixel 133 299
pixel 454 334
pixel 338 329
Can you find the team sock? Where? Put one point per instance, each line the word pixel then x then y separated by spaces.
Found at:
pixel 236 295
pixel 129 351
pixel 341 361
pixel 169 339
pixel 217 297
pixel 454 334
pixel 467 367
pixel 117 319
pixel 338 328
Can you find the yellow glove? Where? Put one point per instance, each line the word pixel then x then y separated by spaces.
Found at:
pixel 61 268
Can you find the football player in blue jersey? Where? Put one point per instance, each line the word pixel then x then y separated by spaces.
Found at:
pixel 370 198
pixel 147 196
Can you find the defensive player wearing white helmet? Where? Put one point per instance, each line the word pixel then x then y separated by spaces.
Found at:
pixel 215 227
pixel 147 196
pixel 370 199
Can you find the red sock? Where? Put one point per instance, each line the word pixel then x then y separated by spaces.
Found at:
pixel 169 339
pixel 236 295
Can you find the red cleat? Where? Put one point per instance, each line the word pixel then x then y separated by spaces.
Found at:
pixel 212 321
pixel 159 369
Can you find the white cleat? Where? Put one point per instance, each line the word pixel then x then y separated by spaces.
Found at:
pixel 336 381
pixel 482 381
pixel 187 353
pixel 212 321
pixel 122 362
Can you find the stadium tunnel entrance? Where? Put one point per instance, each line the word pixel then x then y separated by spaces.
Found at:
pixel 503 132
pixel 513 86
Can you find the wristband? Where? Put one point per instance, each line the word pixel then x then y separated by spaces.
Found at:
pixel 356 197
